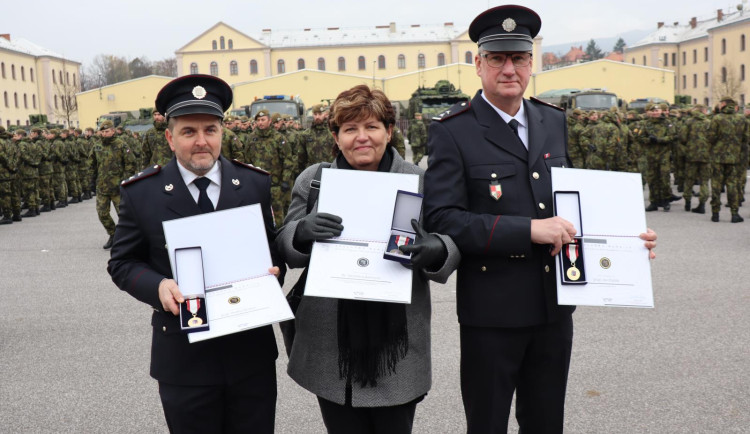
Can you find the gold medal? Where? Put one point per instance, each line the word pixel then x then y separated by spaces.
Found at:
pixel 193 305
pixel 194 322
pixel 573 273
pixel 397 252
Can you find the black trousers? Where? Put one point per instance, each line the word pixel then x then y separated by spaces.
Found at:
pixel 345 419
pixel 245 406
pixel 533 362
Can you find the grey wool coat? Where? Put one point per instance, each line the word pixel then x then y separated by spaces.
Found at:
pixel 313 362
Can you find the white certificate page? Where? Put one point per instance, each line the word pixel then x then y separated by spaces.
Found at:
pixel 236 259
pixel 351 266
pixel 609 219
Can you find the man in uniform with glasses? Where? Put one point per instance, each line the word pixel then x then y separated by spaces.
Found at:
pixel 488 186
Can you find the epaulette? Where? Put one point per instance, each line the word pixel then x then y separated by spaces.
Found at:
pixel 536 100
pixel 455 110
pixel 250 166
pixel 145 173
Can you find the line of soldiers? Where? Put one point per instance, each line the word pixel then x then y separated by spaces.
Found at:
pixel 692 145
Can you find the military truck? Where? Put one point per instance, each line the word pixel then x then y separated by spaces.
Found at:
pixel 283 104
pixel 586 99
pixel 639 104
pixel 431 101
pixel 42 121
pixel 137 121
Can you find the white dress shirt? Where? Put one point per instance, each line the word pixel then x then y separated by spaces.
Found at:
pixel 523 123
pixel 214 188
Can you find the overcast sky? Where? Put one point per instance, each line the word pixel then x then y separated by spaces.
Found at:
pixel 81 29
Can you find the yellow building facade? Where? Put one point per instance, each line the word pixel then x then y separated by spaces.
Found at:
pixel 34 80
pixel 709 57
pixel 126 96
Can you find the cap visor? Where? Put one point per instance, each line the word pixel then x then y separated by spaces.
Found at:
pixel 197 110
pixel 507 46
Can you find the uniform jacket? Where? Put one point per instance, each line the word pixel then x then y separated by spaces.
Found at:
pixel 313 362
pixel 504 280
pixel 139 262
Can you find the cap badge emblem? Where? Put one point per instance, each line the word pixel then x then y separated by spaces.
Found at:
pixel 509 25
pixel 199 92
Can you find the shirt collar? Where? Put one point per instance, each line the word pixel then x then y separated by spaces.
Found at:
pixel 520 116
pixel 214 174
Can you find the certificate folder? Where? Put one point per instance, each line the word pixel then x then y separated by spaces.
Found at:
pixel 608 212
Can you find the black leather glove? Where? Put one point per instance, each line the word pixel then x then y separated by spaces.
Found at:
pixel 317 226
pixel 428 251
pixel 652 139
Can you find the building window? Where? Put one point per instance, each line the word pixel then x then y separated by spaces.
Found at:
pixel 705 102
pixel 233 67
pixel 666 59
pixel 280 67
pixel 695 80
pixel 300 64
pixel 401 61
pixel 644 60
pixel 67 78
pixel 33 101
pixel 342 64
pixel 674 59
pixel 23 74
pixel 5 95
pixel 55 101
pixel 361 63
pixel 742 72
pixel 742 42
pixel 54 79
pixel 31 74
pixel 633 61
pixel 705 54
pixel 214 70
pixel 705 79
pixel 2 66
pixel 193 68
pixel 74 79
pixel 742 101
pixel 724 46
pixel 321 64
pixel 420 60
pixel 684 57
pixel 221 42
pixel 25 102
pixel 15 99
pixel 13 71
pixel 253 67
pixel 684 81
pixel 213 44
pixel 469 58
pixel 723 74
pixel 695 56
pixel 230 44
pixel 59 73
pixel 441 59
pixel 381 62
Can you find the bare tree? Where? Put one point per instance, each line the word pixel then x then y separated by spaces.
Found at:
pixel 65 104
pixel 166 67
pixel 726 83
pixel 140 67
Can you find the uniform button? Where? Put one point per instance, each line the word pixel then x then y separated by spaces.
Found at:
pixel 541 205
pixel 535 175
pixel 164 328
pixel 523 256
pixel 483 268
pixel 546 268
pixel 494 175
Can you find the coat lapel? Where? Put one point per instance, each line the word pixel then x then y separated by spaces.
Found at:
pixel 231 184
pixel 537 132
pixel 498 132
pixel 178 198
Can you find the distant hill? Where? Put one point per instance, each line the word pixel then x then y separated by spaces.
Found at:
pixel 605 44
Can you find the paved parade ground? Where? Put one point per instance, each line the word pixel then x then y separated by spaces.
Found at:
pixel 74 349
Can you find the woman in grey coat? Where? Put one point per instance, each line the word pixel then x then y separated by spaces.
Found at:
pixel 367 362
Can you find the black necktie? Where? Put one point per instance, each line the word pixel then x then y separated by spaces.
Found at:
pixel 204 203
pixel 513 124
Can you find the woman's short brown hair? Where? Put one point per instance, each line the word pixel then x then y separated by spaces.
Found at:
pixel 359 103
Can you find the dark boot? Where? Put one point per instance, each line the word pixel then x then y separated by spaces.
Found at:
pixel 674 198
pixel 6 221
pixel 687 206
pixel 715 217
pixel 17 217
pixel 62 204
pixel 666 206
pixel 32 212
pixel 681 189
pixel 52 205
pixel 74 200
pixel 700 209
pixel 86 196
pixel 737 219
pixel 45 208
pixel 652 207
pixel 108 245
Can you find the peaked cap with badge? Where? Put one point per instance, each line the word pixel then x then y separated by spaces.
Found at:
pixel 505 28
pixel 194 94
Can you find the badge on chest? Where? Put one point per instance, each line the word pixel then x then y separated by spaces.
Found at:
pixel 496 190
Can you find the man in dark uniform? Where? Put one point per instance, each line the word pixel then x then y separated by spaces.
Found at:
pixel 488 186
pixel 225 384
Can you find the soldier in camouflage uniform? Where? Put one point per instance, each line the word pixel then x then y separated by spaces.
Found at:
pixel 136 149
pixel 575 151
pixel 678 148
pixel 625 164
pixel 417 136
pixel 728 130
pixel 744 157
pixel 9 202
pixel 292 138
pixel 601 138
pixel 71 167
pixel 696 134
pixel 268 150
pixel 316 144
pixel 397 141
pixel 655 136
pixel 59 160
pixel 156 150
pixel 46 195
pixel 83 162
pixel 634 151
pixel 112 162
pixel 28 171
